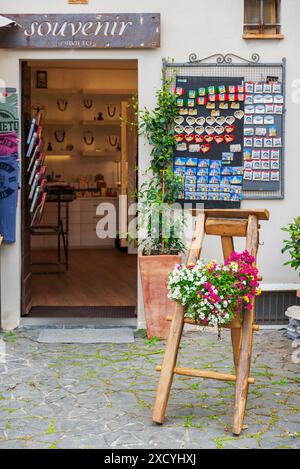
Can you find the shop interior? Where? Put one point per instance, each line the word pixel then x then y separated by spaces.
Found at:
pixel 90 158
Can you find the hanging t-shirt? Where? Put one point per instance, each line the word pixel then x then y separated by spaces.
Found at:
pixel 9 169
pixel 8 144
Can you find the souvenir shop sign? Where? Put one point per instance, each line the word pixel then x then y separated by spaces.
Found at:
pixel 102 31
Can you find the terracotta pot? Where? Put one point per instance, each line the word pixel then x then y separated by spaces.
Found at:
pixel 154 274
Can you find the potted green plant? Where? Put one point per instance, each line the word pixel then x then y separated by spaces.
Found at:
pixel 292 245
pixel 160 244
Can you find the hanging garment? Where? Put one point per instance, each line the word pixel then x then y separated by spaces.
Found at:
pixel 9 171
pixel 8 144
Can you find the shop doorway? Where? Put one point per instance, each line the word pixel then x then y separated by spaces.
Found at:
pixel 83 113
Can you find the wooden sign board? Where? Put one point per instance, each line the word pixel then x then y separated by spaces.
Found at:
pixel 78 2
pixel 79 31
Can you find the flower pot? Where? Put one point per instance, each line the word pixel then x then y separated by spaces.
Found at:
pixel 154 274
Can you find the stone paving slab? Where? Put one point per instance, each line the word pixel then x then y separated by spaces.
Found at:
pixel 100 395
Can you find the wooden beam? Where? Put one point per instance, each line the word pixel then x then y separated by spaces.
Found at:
pixel 225 227
pixel 205 374
pixel 197 240
pixel 261 214
pixel 232 325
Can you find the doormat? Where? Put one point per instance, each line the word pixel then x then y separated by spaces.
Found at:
pixel 83 312
pixel 117 335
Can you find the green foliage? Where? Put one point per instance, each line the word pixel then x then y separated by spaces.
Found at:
pixel 162 187
pixel 292 245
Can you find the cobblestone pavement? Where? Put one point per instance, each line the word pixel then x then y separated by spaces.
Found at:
pixel 100 396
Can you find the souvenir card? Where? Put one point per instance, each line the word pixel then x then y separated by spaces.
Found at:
pixel 258 120
pixel 202 172
pixel 179 170
pixel 256 175
pixel 249 88
pixel 249 109
pixel 195 148
pixel 236 179
pixel 202 92
pixel 237 170
pixel 278 99
pixel 192 94
pixel 191 161
pixel 190 180
pixel 274 175
pixel 267 88
pixel 255 154
pixel 190 195
pixel 225 180
pixel 260 109
pixel 248 131
pixel 181 146
pixel 226 171
pixel 248 142
pixel 225 188
pixel 248 120
pixel 258 99
pixel 225 196
pixel 265 154
pixel 191 102
pixel 202 187
pixel 236 148
pixel 268 142
pixel 268 99
pixel 180 102
pixel 265 164
pixel 247 165
pixel 275 154
pixel 190 171
pixel 179 91
pixel 213 196
pixel 203 163
pixel 256 164
pixel 261 131
pixel 223 106
pixel 269 108
pixel 249 99
pixel 265 175
pixel 278 108
pixel 202 179
pixel 258 88
pixel 214 187
pixel 277 142
pixel 215 164
pixel 258 142
pixel 269 120
pixel 274 164
pixel 276 88
pixel 180 161
pixel 214 172
pixel 214 180
pixel 248 175
pixel 190 187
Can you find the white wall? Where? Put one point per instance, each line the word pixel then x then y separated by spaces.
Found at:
pixel 204 27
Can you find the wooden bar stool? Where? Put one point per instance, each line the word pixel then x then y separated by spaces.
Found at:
pixel 226 224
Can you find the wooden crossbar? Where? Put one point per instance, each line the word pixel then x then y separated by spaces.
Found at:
pixel 205 374
pixel 233 325
pixel 226 224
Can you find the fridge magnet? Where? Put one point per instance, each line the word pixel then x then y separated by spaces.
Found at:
pixel 190 120
pixel 211 90
pixel 229 129
pixel 190 179
pixel 179 120
pixel 188 129
pixel 212 98
pixel 241 89
pixel 256 164
pixel 261 131
pixel 258 142
pixel 265 176
pixel 258 99
pixel 276 88
pixel 231 119
pixel 223 106
pixel 180 102
pixel 249 99
pixel 273 131
pixel 277 142
pixel 220 120
pixel 202 172
pixel 179 129
pixel 211 106
pixel 199 138
pixel 248 142
pixel 179 138
pixel 191 171
pixel 236 148
pixel 183 111
pixel 214 172
pixel 209 130
pixel 225 188
pixel 210 120
pixel 222 89
pixel 224 196
pixel 192 111
pixel 200 120
pixel 62 104
pixel 256 175
pixel 274 175
pixel 199 130
pixel 229 138
pixel 274 164
pixel 191 162
pixel 269 108
pixel 256 154
pixel 181 146
pixel 248 120
pixel 190 103
pixel 278 109
pixel 258 120
pixel 248 175
pixel 258 88
pixel 190 187
pixel 267 88
pixel 201 101
pixel 235 105
pixel 203 163
pixel 237 170
pixel 265 164
pixel 249 88
pixel 223 97
pixel 227 156
pixel 275 154
pixel 226 171
pixel 219 139
pixel 247 165
pixel 179 91
pixel 194 148
pixel 192 94
pixel 215 113
pixel 179 170
pixel 216 164
pixel 205 148
pixel 214 180
pixel 236 180
pixel 268 99
pixel 269 120
pixel 278 99
pixel 268 143
pixel 250 109
pixel 232 89
pixel 247 155
pixel 265 154
pixel 201 91
pixel 202 180
pixel 189 138
pixel 209 138
pixel 259 109
pixel 219 129
pixel 180 161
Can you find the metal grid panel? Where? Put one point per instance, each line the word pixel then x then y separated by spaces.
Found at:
pixel 251 70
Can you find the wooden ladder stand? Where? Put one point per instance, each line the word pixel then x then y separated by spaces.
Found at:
pixel 225 223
